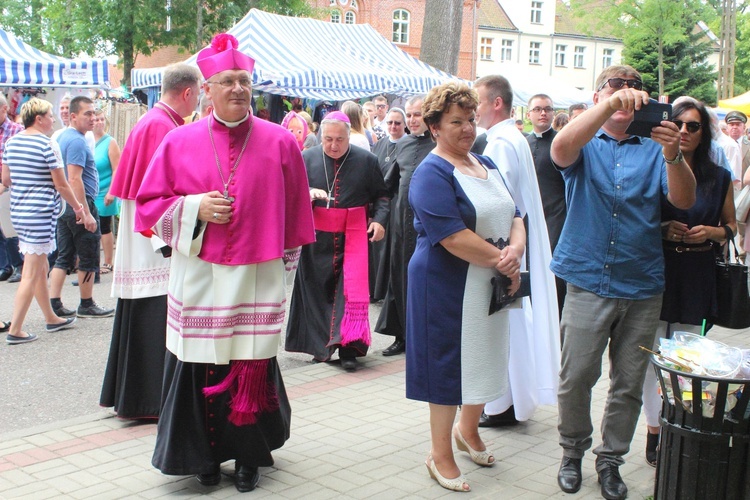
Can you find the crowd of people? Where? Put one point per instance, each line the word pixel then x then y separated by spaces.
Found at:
pixel 404 205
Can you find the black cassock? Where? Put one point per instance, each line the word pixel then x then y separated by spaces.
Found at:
pixel 380 251
pixel 410 152
pixel 317 304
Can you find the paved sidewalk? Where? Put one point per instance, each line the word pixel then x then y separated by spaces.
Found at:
pixel 354 435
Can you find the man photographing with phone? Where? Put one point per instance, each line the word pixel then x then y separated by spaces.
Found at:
pixel 610 255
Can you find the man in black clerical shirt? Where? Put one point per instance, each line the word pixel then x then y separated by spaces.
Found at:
pixel 551 183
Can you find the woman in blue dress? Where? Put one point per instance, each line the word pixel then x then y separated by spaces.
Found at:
pixel 469 231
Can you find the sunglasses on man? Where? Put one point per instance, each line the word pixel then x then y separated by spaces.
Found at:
pixel 617 83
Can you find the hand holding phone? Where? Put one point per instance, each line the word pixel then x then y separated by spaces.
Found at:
pixel 648 117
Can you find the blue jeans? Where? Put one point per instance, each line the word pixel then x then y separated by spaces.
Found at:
pixel 589 325
pixel 9 254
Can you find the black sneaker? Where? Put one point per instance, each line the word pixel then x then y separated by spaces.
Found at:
pixel 63 312
pixel 94 311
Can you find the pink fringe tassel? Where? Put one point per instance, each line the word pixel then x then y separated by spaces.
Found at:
pixel 355 325
pixel 251 393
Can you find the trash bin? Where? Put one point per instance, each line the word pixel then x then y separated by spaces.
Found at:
pixel 704 451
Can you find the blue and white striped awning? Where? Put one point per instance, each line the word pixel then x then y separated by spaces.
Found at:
pixel 319 60
pixel 23 65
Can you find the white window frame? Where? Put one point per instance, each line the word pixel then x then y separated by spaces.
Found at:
pixel 560 52
pixel 535 51
pixel 608 57
pixel 579 57
pixel 485 48
pixel 536 12
pixel 401 25
pixel 506 50
pixel 350 17
pixel 336 16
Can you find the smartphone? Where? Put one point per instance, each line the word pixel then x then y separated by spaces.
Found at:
pixel 648 117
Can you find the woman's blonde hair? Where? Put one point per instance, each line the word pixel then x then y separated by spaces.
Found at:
pixel 354 112
pixel 98 112
pixel 439 100
pixel 32 108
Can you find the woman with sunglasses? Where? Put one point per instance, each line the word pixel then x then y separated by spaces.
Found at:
pixel 688 240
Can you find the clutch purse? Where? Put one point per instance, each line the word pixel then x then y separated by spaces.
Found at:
pixel 500 297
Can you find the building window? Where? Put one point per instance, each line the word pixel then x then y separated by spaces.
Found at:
pixel 400 26
pixel 560 54
pixel 354 5
pixel 349 18
pixel 607 56
pixel 485 49
pixel 580 52
pixel 332 3
pixel 534 49
pixel 335 16
pixel 506 50
pixel 536 12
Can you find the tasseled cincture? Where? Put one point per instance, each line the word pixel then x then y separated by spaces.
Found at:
pixel 251 392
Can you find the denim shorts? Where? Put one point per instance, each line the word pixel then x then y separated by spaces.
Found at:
pixel 73 239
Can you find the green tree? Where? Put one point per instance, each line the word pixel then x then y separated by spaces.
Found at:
pixel 742 64
pixel 682 74
pixel 663 22
pixel 22 17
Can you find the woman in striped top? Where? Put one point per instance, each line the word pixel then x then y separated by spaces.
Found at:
pixel 32 165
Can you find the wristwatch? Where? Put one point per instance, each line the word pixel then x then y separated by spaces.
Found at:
pixel 677 159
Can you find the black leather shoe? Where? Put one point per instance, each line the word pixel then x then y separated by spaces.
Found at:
pixel 7 273
pixel 569 475
pixel 246 478
pixel 398 347
pixel 504 419
pixel 210 478
pixel 349 364
pixel 613 487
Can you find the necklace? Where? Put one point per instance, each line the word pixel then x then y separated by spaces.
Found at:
pixel 236 163
pixel 164 108
pixel 335 175
pixel 388 155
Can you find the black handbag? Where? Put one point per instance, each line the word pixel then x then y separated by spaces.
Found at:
pixel 732 297
pixel 500 297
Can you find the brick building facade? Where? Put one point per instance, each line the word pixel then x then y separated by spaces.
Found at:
pixel 400 21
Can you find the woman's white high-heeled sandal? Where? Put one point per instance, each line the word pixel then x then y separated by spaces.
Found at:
pixel 455 484
pixel 484 458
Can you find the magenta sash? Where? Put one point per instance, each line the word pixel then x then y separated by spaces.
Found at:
pixel 355 325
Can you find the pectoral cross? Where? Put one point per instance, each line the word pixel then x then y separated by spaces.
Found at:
pixel 227 197
pixel 328 202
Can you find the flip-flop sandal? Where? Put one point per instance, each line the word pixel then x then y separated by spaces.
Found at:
pixel 105 269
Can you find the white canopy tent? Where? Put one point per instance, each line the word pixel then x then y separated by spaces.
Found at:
pixel 21 65
pixel 526 84
pixel 313 59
